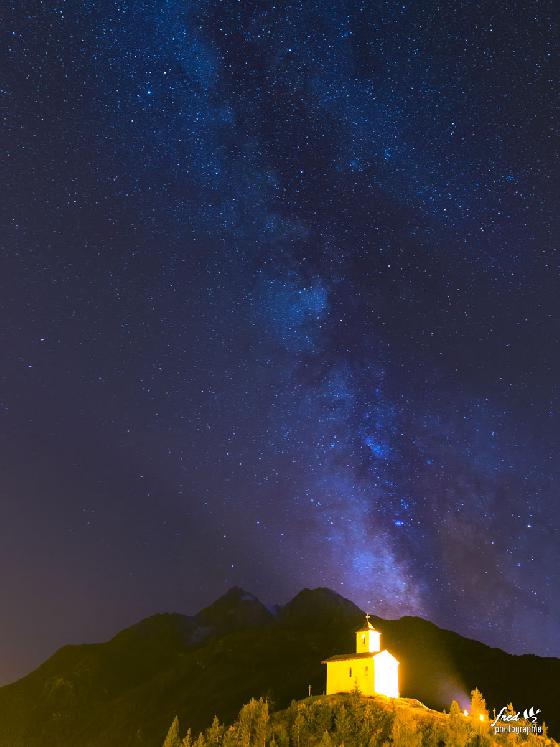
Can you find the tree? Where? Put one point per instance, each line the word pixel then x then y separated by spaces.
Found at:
pixel 479 711
pixel 479 719
pixel 253 723
pixel 215 734
pixel 458 727
pixel 346 726
pixel 405 731
pixel 298 726
pixel 172 739
pixel 231 737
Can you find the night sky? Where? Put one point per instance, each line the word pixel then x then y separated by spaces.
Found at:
pixel 280 307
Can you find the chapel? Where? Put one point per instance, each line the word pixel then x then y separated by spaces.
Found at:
pixel 371 670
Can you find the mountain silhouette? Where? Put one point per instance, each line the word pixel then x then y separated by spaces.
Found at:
pixel 125 692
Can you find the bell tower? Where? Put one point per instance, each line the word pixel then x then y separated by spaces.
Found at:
pixel 368 640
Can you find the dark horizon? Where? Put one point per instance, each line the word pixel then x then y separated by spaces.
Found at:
pixel 273 608
pixel 279 297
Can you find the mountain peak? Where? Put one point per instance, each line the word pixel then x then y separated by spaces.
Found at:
pixel 237 592
pixel 321 606
pixel 235 609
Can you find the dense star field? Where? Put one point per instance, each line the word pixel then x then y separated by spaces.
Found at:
pixel 280 308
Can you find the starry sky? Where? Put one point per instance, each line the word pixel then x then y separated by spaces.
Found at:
pixel 280 307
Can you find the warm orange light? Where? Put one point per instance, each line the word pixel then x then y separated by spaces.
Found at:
pixel 465 712
pixel 481 717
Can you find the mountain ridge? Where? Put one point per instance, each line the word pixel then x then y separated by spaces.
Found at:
pixel 127 689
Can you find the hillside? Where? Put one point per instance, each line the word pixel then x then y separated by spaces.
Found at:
pixel 126 691
pixel 351 720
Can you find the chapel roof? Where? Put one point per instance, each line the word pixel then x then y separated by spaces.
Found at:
pixel 342 657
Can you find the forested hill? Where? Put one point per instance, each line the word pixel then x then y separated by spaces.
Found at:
pixel 350 720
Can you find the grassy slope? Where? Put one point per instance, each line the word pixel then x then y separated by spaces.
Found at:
pixel 356 721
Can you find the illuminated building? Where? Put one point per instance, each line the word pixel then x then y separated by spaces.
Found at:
pixel 370 670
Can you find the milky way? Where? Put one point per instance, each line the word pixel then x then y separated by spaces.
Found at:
pixel 280 309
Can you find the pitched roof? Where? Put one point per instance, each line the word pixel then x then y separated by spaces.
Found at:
pixel 366 655
pixel 342 657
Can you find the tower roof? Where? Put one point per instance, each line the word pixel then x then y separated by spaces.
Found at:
pixel 367 626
